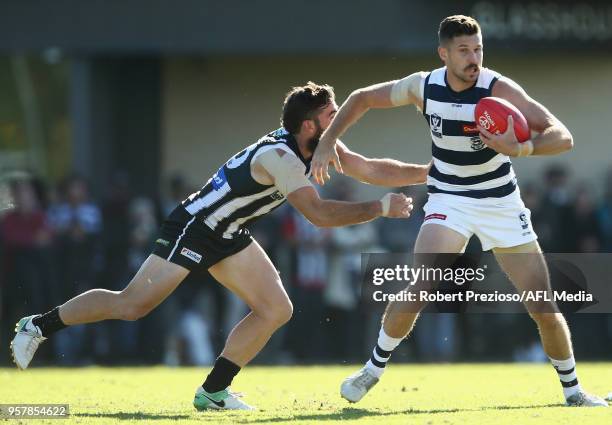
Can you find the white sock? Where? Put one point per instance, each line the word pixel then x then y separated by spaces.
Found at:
pixel 566 369
pixel 382 352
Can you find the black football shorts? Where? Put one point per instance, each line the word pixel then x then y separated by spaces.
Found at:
pixel 185 240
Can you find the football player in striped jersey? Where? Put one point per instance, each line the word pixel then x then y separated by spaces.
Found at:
pixel 207 231
pixel 472 189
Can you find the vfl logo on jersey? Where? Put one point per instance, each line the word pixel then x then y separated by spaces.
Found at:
pixel 435 122
pixel 523 220
pixel 277 196
pixel 476 144
pixel 193 256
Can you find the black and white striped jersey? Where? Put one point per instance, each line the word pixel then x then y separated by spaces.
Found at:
pixel 231 198
pixel 462 164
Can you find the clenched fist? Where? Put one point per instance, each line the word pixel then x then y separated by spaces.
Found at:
pixel 396 205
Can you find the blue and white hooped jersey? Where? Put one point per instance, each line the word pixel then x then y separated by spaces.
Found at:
pixel 462 164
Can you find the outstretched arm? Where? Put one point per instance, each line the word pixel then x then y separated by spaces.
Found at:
pixel 331 213
pixel 553 137
pixel 383 95
pixel 380 172
pixel 287 173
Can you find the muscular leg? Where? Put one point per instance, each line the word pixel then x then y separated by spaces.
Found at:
pixel 433 238
pixel 154 281
pixel 399 317
pixel 251 275
pixel 526 268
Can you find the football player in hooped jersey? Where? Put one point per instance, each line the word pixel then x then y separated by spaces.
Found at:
pixel 207 232
pixel 472 188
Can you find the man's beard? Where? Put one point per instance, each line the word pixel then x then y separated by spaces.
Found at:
pixel 314 141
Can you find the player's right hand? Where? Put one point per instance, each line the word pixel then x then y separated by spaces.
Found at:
pixel 396 205
pixel 324 154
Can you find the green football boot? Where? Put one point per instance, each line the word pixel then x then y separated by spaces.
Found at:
pixel 224 399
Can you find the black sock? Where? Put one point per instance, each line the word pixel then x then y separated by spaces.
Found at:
pixel 221 376
pixel 49 323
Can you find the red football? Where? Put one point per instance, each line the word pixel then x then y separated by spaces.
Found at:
pixel 492 114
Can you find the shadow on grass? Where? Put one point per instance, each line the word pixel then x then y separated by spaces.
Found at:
pixel 131 415
pixel 353 413
pixel 346 413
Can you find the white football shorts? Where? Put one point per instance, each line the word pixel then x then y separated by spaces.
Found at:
pixel 498 223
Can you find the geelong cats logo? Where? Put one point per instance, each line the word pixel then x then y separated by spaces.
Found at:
pixel 476 144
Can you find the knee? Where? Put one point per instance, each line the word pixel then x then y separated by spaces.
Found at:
pixel 130 309
pixel 135 312
pixel 278 314
pixel 549 320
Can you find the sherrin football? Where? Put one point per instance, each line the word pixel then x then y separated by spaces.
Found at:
pixel 492 114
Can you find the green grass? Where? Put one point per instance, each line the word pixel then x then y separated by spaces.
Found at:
pixel 497 394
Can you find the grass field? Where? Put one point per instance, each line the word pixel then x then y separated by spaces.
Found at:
pixel 421 394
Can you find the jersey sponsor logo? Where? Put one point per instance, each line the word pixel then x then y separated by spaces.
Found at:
pixel 523 220
pixel 163 242
pixel 219 179
pixel 470 129
pixel 476 143
pixel 435 122
pixel 435 216
pixel 193 256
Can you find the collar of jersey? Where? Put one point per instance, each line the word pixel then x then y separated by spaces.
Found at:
pixel 292 143
pixel 459 94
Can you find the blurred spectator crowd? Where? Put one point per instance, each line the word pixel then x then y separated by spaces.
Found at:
pixel 56 243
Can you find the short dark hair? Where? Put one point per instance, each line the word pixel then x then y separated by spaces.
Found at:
pixel 302 103
pixel 457 25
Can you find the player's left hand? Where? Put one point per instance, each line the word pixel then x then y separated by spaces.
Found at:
pixel 324 154
pixel 505 143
